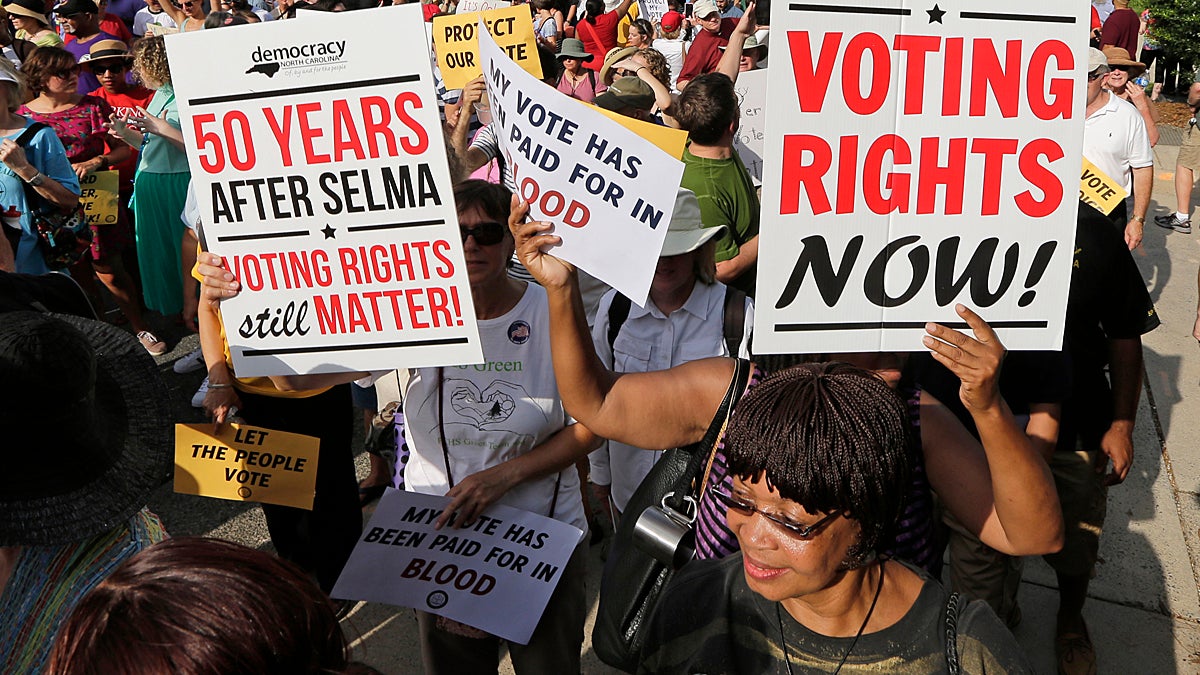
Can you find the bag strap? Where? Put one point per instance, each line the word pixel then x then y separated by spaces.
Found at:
pixel 688 484
pixel 32 197
pixel 28 134
pixel 618 311
pixel 734 319
pixel 953 606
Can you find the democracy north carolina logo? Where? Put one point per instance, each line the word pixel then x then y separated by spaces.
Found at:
pixel 270 60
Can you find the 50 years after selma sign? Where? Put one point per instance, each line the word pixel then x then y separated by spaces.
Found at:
pixel 323 183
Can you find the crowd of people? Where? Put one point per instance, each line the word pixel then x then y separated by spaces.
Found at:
pixel 832 497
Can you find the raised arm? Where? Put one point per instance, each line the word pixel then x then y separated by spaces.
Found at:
pixel 999 487
pixel 623 8
pixel 730 63
pixel 660 409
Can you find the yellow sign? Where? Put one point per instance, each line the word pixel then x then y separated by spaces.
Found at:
pixel 670 141
pixel 98 194
pixel 1098 190
pixel 246 464
pixel 457 45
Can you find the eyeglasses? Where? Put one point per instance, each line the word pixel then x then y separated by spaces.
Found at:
pixel 745 508
pixel 486 234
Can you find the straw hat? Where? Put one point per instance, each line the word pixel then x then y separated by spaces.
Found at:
pixel 1120 57
pixel 30 9
pixel 615 56
pixel 686 232
pixel 85 420
pixel 106 50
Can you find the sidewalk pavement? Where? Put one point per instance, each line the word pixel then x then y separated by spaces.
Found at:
pixel 1144 604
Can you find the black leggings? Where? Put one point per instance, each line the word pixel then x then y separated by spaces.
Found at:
pixel 320 541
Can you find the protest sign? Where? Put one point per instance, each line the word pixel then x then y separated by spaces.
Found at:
pixel 508 559
pixel 751 88
pixel 918 157
pixel 609 192
pixel 467 6
pixel 1098 190
pixel 246 464
pixel 652 10
pixel 98 194
pixel 323 182
pixel 670 141
pixel 456 42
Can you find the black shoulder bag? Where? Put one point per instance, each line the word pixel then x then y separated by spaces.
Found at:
pixel 63 236
pixel 634 578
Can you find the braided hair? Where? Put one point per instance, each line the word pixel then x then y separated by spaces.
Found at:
pixel 830 437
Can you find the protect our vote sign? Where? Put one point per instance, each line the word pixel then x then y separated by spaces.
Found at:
pixel 322 181
pixel 456 42
pixel 609 192
pixel 244 463
pixel 496 575
pixel 919 155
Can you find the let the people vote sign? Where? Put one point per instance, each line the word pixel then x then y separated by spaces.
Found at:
pixel 609 192
pixel 496 574
pixel 919 155
pixel 322 182
pixel 240 462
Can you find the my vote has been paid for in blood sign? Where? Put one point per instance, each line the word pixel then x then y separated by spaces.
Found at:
pixel 919 155
pixel 322 181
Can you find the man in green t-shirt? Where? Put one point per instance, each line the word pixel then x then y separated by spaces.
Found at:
pixel 708 111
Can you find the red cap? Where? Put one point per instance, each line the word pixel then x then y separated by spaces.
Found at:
pixel 671 21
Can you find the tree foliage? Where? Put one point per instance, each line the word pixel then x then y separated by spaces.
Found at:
pixel 1176 29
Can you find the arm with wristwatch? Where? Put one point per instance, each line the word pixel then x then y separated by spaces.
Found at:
pixel 14 157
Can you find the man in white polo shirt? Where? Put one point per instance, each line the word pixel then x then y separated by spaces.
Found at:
pixel 1116 141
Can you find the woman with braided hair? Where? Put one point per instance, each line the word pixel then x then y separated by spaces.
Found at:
pixel 819 455
pixel 1000 488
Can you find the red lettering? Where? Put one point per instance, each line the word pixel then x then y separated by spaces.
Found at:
pixel 847 165
pixel 439 307
pixel 329 320
pixel 349 264
pixel 414 306
pixel 993 151
pixel 917 47
pixel 933 174
pixel 345 135
pixel 282 132
pixel 395 296
pixel 797 172
pixel 986 74
pixel 897 185
pixel 952 77
pixel 440 248
pixel 378 127
pixel 879 76
pixel 420 141
pixel 1040 177
pixel 308 134
pixel 358 316
pixel 1061 89
pixel 812 81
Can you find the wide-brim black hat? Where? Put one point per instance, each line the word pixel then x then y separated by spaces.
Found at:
pixel 85 423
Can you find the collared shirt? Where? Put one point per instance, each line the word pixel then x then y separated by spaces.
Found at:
pixel 650 340
pixel 1116 141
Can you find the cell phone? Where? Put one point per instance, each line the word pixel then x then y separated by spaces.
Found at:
pixel 687 10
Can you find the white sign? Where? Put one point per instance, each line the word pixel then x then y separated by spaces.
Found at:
pixel 496 575
pixel 751 88
pixel 322 180
pixel 480 5
pixel 609 192
pixel 652 10
pixel 918 157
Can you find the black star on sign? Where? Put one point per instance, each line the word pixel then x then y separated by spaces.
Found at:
pixel 328 231
pixel 935 14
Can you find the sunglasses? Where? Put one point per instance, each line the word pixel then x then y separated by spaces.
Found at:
pixel 486 234
pixel 66 74
pixel 1123 69
pixel 746 508
pixel 1097 73
pixel 114 68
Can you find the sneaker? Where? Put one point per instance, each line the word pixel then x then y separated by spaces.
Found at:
pixel 190 363
pixel 1173 222
pixel 198 397
pixel 1076 655
pixel 152 344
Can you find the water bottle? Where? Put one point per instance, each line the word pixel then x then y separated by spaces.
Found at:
pixel 1142 81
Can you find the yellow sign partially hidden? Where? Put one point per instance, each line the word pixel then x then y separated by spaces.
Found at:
pixel 457 45
pixel 246 464
pixel 98 194
pixel 669 140
pixel 1098 190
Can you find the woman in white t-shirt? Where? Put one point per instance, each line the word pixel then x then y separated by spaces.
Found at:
pixel 496 433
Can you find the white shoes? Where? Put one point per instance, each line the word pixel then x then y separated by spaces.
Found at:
pixel 198 397
pixel 190 363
